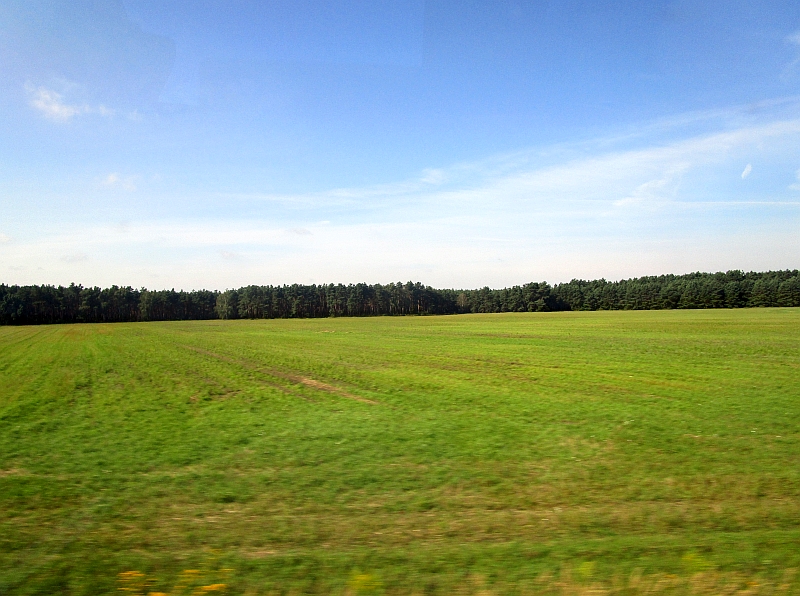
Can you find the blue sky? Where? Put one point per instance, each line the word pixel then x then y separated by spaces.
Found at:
pixel 462 144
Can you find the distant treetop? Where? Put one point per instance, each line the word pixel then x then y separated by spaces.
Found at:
pixel 32 305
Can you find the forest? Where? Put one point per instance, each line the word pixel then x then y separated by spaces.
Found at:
pixel 44 304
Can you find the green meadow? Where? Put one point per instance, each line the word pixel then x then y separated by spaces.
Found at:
pixel 596 452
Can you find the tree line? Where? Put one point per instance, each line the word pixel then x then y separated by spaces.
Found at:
pixel 33 305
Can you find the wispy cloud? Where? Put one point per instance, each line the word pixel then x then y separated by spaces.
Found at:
pixel 456 252
pixel 655 190
pixel 746 172
pixel 52 105
pixel 791 68
pixel 600 208
pixel 600 172
pixel 796 185
pixel 433 176
pixel 4 238
pixel 114 180
pixel 75 258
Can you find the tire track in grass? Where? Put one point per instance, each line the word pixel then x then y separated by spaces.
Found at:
pixel 307 381
pixel 277 386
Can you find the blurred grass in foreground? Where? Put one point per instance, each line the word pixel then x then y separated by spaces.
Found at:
pixel 564 453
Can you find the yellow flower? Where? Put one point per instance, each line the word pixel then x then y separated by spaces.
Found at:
pixel 213 588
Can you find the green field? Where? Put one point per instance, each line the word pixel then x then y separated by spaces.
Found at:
pixel 495 454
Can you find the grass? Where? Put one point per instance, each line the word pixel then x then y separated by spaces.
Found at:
pixel 516 453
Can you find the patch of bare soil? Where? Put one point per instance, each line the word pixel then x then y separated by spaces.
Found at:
pixel 308 382
pixel 13 472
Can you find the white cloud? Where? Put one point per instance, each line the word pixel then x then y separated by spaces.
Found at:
pixel 747 169
pixel 661 173
pixel 114 180
pixel 4 238
pixel 790 69
pixel 796 186
pixel 595 211
pixel 433 176
pixel 653 191
pixel 456 252
pixel 75 258
pixel 53 106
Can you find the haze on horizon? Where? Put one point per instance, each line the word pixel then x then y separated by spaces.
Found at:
pixel 461 144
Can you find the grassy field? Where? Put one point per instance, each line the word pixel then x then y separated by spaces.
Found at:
pixel 494 454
